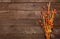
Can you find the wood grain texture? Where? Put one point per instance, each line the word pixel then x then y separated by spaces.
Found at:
pixel 28 6
pixel 19 19
pixel 33 0
pixel 29 0
pixel 15 14
pixel 32 6
pixel 6 14
pixel 22 17
pixel 5 0
pixel 3 6
pixel 22 26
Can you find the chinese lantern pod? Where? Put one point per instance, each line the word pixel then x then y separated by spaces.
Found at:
pixel 46 15
pixel 49 22
pixel 46 19
pixel 54 11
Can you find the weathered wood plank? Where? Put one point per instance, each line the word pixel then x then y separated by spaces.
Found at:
pixel 29 14
pixel 16 14
pixel 29 0
pixel 5 0
pixel 3 6
pixel 21 36
pixel 31 6
pixel 6 14
pixel 26 14
pixel 20 29
pixel 34 1
pixel 27 6
pixel 21 22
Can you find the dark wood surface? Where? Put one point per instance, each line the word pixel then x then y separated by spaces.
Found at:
pixel 19 19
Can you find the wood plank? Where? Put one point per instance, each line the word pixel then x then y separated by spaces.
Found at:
pixel 29 14
pixel 31 6
pixel 5 0
pixel 21 36
pixel 26 14
pixel 6 14
pixel 34 1
pixel 11 26
pixel 16 14
pixel 3 6
pixel 27 6
pixel 20 29
pixel 29 0
pixel 56 5
pixel 17 6
pixel 21 22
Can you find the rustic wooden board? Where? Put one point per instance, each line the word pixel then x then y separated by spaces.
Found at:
pixel 27 6
pixel 33 0
pixel 5 0
pixel 28 1
pixel 6 14
pixel 21 36
pixel 21 26
pixel 20 17
pixel 23 16
pixel 26 14
pixel 17 14
pixel 6 28
pixel 3 6
pixel 32 6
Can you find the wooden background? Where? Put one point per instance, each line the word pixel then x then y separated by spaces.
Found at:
pixel 18 19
